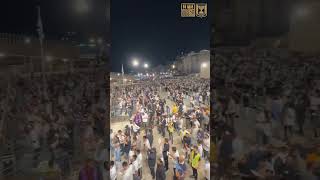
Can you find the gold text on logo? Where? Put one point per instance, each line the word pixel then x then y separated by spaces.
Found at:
pixel 188 10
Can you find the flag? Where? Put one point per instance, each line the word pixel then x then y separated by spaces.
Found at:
pixel 122 71
pixel 39 25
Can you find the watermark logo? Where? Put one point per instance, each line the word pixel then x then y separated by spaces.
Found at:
pixel 194 10
pixel 201 10
pixel 188 10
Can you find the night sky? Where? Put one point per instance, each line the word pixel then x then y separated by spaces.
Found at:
pixel 154 32
pixel 85 17
pixel 151 30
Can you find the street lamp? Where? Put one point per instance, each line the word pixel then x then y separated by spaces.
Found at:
pixel 204 65
pixel 146 65
pixel 173 66
pixel 135 62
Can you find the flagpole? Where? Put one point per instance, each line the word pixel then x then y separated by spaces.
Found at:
pixel 41 37
pixel 122 73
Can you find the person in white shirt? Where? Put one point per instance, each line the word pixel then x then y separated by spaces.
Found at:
pixel 200 99
pixel 180 123
pixel 139 160
pixel 145 118
pixel 135 127
pixel 127 171
pixel 146 143
pixel 207 170
pixel 206 145
pixel 131 153
pixel 196 124
pixel 135 165
pixel 184 107
pixel 200 149
pixel 113 172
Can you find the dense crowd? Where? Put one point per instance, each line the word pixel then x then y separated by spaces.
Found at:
pixel 56 120
pixel 276 97
pixel 165 108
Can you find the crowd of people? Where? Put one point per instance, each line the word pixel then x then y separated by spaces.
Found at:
pixel 167 132
pixel 265 114
pixel 55 120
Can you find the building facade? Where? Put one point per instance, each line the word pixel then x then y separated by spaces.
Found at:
pixel 193 63
pixel 22 54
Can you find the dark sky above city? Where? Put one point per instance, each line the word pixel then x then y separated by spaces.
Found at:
pixel 153 31
pixel 85 17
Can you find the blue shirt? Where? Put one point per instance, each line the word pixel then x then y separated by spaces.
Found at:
pixel 117 154
pixel 181 168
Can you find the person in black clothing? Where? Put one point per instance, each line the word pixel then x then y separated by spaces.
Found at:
pixel 152 156
pixel 165 151
pixel 163 126
pixel 187 140
pixel 301 109
pixel 127 146
pixel 160 172
pixel 150 137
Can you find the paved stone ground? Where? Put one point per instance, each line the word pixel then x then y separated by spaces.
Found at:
pixel 176 142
